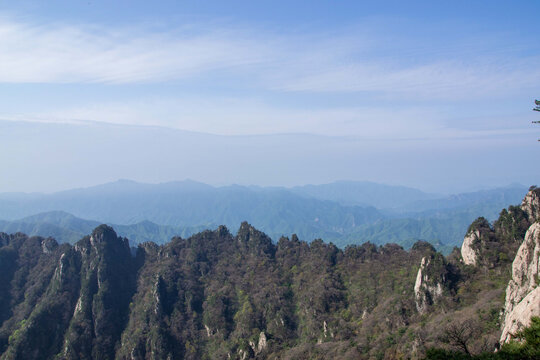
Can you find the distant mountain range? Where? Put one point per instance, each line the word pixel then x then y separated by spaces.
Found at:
pixel 365 193
pixel 344 212
pixel 67 228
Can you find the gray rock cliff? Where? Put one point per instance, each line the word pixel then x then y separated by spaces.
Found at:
pixel 431 280
pixel 523 290
pixel 468 252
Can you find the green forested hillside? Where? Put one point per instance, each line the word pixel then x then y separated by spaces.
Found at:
pixel 217 294
pixel 145 212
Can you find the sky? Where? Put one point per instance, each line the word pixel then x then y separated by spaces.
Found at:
pixel 421 93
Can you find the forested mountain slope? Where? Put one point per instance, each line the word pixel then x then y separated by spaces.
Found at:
pixel 216 295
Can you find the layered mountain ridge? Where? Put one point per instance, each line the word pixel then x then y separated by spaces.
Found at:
pixel 342 212
pixel 218 295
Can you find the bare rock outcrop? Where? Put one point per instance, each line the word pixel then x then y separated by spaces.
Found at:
pixel 479 244
pixel 260 346
pixel 468 253
pixel 523 291
pixel 430 281
pixel 531 204
pixel 48 245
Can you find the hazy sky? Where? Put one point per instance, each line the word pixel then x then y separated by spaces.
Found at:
pixel 432 94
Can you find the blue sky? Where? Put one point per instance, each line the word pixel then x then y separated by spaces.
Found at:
pixel 413 72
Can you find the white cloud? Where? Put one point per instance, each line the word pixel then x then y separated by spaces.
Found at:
pixel 455 79
pixel 340 62
pixel 346 61
pixel 86 54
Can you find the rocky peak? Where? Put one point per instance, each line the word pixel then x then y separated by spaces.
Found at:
pixel 481 245
pixel 431 280
pixel 423 247
pixel 148 247
pixel 246 232
pixel 48 245
pixel 106 269
pixel 523 291
pixel 103 234
pixel 223 231
pixel 531 204
pixel 103 240
pixel 468 252
pixel 255 240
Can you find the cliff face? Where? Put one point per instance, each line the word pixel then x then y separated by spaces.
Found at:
pixel 107 274
pixel 531 204
pixel 468 252
pixel 523 291
pixel 82 303
pixel 478 243
pixel 431 281
pixel 492 246
pixel 487 246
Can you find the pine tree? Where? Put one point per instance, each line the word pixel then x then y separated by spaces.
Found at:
pixel 536 108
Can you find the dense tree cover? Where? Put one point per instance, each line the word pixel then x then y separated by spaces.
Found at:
pixel 216 295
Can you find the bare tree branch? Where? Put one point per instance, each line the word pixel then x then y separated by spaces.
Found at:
pixel 460 335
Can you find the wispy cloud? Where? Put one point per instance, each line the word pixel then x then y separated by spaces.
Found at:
pixel 57 53
pixel 443 80
pixel 417 87
pixel 252 116
pixel 248 116
pixel 348 61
